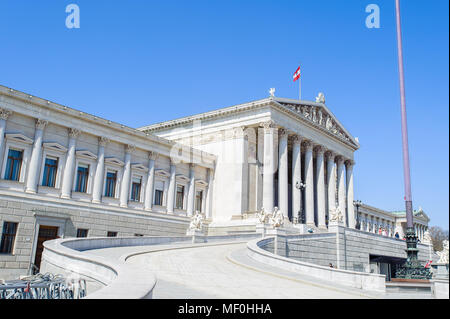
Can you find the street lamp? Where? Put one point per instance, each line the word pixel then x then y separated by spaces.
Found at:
pixel 300 186
pixel 357 203
pixel 412 268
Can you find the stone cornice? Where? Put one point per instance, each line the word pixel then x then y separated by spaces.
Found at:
pixel 316 115
pixel 30 101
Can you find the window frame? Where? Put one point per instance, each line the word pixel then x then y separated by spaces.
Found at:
pixel 82 229
pixel 17 142
pixel 14 237
pixel 57 151
pixel 8 161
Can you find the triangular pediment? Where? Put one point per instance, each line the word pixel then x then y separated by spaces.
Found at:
pixel 55 147
pixel 86 154
pixel 139 167
pixel 114 161
pixel 161 172
pixel 17 137
pixel 318 115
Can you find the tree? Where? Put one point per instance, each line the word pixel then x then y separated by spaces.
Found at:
pixel 438 235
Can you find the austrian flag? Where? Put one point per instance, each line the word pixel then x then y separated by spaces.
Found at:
pixel 297 74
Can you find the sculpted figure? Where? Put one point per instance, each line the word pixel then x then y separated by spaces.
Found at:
pixel 329 123
pixel 263 217
pixel 319 112
pixel 427 237
pixel 196 221
pixel 336 215
pixel 277 218
pixel 443 254
pixel 314 115
pixel 320 98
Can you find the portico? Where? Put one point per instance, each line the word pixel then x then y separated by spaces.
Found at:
pixel 296 156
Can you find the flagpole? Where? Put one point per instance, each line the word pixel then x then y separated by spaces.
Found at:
pixel 300 88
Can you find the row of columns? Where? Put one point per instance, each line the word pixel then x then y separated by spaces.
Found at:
pixel 345 190
pixel 32 181
pixel 373 224
pixel 420 231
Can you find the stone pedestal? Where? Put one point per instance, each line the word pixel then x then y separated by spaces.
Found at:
pixel 197 235
pixel 440 271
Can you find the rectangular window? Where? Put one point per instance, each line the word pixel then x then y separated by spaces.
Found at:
pixel 136 189
pixel 180 196
pixel 82 178
pixel 82 233
pixel 13 165
pixel 8 237
pixel 159 197
pixel 50 168
pixel 112 234
pixel 110 189
pixel 198 200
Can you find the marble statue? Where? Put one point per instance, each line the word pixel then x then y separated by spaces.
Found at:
pixel 277 218
pixel 336 215
pixel 272 92
pixel 427 238
pixel 320 98
pixel 263 216
pixel 196 221
pixel 443 254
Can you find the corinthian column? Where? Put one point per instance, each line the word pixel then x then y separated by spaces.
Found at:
pixel 320 172
pixel 350 207
pixel 331 180
pixel 125 187
pixel 283 174
pixel 4 114
pixel 296 177
pixel 171 190
pixel 341 187
pixel 148 201
pixel 99 172
pixel 33 171
pixel 191 191
pixel 309 190
pixel 269 166
pixel 69 168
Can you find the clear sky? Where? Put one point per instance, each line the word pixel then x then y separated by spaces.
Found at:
pixel 140 62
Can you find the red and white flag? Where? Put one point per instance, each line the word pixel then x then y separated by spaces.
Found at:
pixel 297 74
pixel 428 264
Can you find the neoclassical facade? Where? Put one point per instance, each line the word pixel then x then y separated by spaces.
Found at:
pixel 66 173
pixel 274 152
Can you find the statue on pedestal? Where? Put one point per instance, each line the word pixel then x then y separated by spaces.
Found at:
pixel 277 218
pixel 336 216
pixel 263 216
pixel 443 254
pixel 196 221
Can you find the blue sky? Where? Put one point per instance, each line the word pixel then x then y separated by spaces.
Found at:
pixel 140 62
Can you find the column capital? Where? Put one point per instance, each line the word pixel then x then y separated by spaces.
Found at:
pixel 152 155
pixel 330 155
pixel 282 132
pixel 308 145
pixel 319 149
pixel 102 141
pixel 4 114
pixel 74 133
pixel 130 148
pixel 41 124
pixel 349 163
pixel 268 126
pixel 296 139
pixel 340 159
pixel 239 132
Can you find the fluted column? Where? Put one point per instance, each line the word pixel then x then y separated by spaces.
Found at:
pixel 269 166
pixel 172 188
pixel 320 173
pixel 36 154
pixel 309 189
pixel 350 195
pixel 125 187
pixel 331 181
pixel 148 201
pixel 69 168
pixel 296 176
pixel 341 187
pixel 191 191
pixel 99 172
pixel 4 114
pixel 209 193
pixel 283 200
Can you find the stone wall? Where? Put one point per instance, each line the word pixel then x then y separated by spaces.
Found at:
pixel 350 251
pixel 28 210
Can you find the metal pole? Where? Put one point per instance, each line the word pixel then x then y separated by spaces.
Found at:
pixel 406 170
pixel 300 87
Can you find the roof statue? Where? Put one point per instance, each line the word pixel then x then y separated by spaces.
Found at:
pixel 320 98
pixel 272 92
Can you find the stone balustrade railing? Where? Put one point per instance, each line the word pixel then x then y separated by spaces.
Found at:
pixel 361 280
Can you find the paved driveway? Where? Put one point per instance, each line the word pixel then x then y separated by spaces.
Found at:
pixel 207 272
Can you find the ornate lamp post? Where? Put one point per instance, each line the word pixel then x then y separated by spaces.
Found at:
pixel 357 203
pixel 295 220
pixel 412 268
